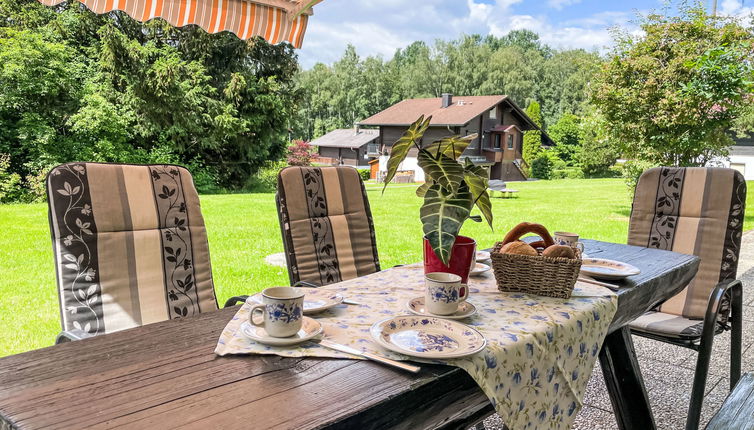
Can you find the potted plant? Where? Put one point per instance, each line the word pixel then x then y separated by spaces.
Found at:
pixel 450 192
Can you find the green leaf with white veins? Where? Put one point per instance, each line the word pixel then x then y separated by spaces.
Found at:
pixel 400 148
pixel 476 178
pixel 443 170
pixel 453 147
pixel 442 215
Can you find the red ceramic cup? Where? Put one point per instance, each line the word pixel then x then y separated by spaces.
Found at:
pixel 461 258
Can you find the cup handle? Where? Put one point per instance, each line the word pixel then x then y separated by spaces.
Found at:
pixel 464 293
pixel 260 306
pixel 580 246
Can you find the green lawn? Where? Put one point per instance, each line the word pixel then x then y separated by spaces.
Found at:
pixel 243 229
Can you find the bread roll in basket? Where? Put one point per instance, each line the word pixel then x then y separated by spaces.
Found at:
pixel 516 269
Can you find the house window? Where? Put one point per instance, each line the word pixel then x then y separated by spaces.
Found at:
pixel 510 141
pixel 497 141
pixel 493 113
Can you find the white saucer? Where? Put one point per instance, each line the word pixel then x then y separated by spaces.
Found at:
pixel 309 329
pixel 427 337
pixel 315 299
pixel 478 269
pixel 416 306
pixel 601 268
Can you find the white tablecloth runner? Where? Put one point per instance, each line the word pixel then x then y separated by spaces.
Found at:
pixel 539 355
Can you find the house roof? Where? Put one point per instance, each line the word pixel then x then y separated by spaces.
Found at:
pixel 742 151
pixel 461 111
pixel 346 138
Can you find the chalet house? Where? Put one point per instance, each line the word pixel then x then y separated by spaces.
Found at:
pixel 498 121
pixel 347 146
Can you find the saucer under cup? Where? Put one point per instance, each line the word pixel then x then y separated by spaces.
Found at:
pixel 310 328
pixel 416 306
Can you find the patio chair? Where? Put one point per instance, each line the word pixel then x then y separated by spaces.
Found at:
pixel 696 211
pixel 130 246
pixel 328 233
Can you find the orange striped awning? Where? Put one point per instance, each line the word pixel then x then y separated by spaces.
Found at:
pixel 274 20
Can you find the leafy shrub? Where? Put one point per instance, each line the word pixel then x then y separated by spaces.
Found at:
pixel 567 173
pixel 541 167
pixel 632 169
pixel 36 190
pixel 266 179
pixel 366 174
pixel 301 153
pixel 10 183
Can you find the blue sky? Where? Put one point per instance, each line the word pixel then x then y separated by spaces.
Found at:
pixel 379 27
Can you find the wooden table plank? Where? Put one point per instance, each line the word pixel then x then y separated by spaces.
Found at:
pixel 167 375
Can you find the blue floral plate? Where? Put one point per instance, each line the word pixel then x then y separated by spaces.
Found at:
pixel 315 299
pixel 427 337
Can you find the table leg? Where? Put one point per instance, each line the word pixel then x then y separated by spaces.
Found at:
pixel 624 382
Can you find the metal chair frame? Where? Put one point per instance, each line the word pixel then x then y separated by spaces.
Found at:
pixel 703 344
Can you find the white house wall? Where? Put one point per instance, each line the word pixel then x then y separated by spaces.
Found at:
pixel 410 163
pixel 742 163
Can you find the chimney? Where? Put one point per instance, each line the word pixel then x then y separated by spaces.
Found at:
pixel 356 129
pixel 447 99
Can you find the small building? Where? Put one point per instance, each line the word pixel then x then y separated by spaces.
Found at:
pixel 498 121
pixel 741 157
pixel 347 146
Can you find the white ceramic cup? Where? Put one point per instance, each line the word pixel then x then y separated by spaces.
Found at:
pixel 443 292
pixel 568 239
pixel 282 311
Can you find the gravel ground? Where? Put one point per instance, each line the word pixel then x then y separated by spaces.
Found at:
pixel 668 370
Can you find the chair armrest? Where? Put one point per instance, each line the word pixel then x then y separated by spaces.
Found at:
pixel 306 284
pixel 716 298
pixel 235 300
pixel 714 303
pixel 71 335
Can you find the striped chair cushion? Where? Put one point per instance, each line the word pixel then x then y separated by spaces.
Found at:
pixel 130 245
pixel 692 210
pixel 669 325
pixel 326 223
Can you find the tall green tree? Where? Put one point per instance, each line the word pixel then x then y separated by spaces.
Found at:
pixel 567 136
pixel 78 86
pixel 597 153
pixel 533 138
pixel 671 94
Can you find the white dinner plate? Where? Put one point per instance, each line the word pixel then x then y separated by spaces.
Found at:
pixel 483 256
pixel 478 269
pixel 309 329
pixel 315 299
pixel 601 268
pixel 465 309
pixel 427 337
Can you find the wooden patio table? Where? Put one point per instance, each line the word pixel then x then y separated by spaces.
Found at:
pixel 166 375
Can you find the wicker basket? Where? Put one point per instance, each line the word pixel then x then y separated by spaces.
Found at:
pixel 543 276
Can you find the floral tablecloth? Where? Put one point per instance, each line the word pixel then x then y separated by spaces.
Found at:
pixel 539 355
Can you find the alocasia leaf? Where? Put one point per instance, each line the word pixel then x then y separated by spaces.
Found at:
pixel 476 179
pixel 452 147
pixel 400 148
pixel 442 215
pixel 443 170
